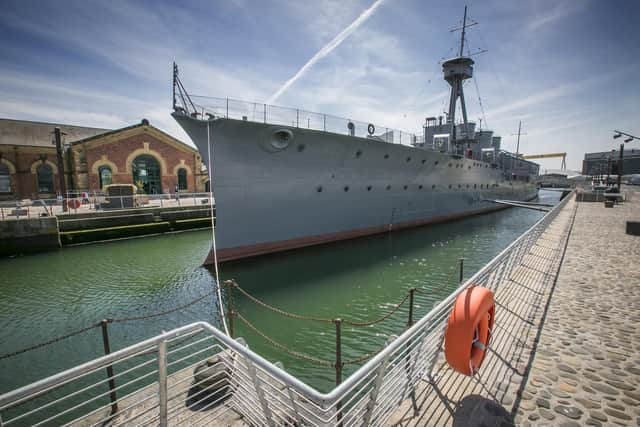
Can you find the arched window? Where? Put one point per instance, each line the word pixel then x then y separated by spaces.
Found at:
pixel 182 179
pixel 146 174
pixel 104 175
pixel 5 179
pixel 45 178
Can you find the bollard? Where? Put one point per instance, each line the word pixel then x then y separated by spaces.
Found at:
pixel 112 383
pixel 410 321
pixel 461 270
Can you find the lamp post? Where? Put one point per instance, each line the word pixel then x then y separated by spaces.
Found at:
pixel 57 141
pixel 618 134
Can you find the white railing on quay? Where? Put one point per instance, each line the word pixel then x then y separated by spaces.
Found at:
pixel 98 202
pixel 211 107
pixel 154 380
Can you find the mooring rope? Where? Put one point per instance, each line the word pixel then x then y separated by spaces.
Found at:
pixel 213 231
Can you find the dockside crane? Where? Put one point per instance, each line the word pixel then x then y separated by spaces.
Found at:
pixel 548 156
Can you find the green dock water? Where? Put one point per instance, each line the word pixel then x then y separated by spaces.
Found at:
pixel 46 295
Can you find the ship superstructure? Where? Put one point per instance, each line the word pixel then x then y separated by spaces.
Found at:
pixel 287 178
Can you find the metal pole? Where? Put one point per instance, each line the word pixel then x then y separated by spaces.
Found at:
pixel 620 168
pixel 60 161
pixel 338 323
pixel 112 382
pixel 227 108
pixel 297 117
pixel 230 284
pixel 265 113
pixel 162 381
pixel 324 122
pixel 411 292
pixel 461 270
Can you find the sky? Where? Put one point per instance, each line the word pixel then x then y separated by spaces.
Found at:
pixel 565 68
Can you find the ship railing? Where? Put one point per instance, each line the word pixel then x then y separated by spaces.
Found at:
pixel 98 202
pixel 211 107
pixel 197 375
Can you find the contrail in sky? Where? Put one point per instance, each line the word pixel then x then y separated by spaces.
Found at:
pixel 327 49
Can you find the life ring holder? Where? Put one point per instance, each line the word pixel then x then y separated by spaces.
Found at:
pixel 469 327
pixel 371 129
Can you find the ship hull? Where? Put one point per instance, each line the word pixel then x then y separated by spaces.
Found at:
pixel 319 187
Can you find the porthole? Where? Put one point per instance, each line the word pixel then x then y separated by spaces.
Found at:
pixel 419 187
pixel 433 187
pixel 358 154
pixel 450 164
pixel 435 163
pixel 281 139
pixel 346 188
pixel 459 185
pixel 467 185
pixel 475 186
pixel 368 188
pixel 469 167
pixel 408 159
pixel 388 187
pixel 423 161
pixel 319 189
pixel 386 156
pixel 449 186
pixel 405 187
pixel 301 148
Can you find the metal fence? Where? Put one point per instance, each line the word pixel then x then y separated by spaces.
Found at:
pixel 265 113
pixel 98 202
pixel 197 375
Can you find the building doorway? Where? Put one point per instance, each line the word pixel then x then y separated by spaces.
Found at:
pixel 146 174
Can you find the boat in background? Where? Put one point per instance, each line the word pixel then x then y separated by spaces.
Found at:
pixel 287 178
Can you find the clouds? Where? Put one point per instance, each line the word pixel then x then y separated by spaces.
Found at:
pixel 553 65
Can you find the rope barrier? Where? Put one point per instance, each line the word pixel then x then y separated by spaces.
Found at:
pixel 51 341
pixel 282 347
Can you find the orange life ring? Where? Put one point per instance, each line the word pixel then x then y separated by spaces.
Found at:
pixel 469 330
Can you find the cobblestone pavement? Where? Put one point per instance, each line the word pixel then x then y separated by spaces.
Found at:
pixel 586 369
pixel 564 352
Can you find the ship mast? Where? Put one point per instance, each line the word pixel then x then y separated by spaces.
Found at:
pixel 455 71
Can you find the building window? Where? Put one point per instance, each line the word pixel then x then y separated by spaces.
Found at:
pixel 105 176
pixel 146 174
pixel 5 179
pixel 45 178
pixel 182 179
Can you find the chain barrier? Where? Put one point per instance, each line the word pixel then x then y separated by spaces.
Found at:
pixel 51 341
pixel 380 319
pixel 233 284
pixel 162 313
pixel 282 347
pixel 95 325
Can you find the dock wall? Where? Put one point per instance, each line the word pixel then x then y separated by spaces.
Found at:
pixel 29 235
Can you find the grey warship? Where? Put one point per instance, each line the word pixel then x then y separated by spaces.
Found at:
pixel 287 178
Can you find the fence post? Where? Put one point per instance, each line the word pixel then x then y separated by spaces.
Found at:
pixel 230 285
pixel 297 117
pixel 338 323
pixel 162 382
pixel 112 383
pixel 227 108
pixel 410 321
pixel 461 270
pixel 324 122
pixel 265 113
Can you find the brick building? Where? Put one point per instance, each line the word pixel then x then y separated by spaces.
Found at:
pixel 141 154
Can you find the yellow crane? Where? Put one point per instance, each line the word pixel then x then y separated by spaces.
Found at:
pixel 548 156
